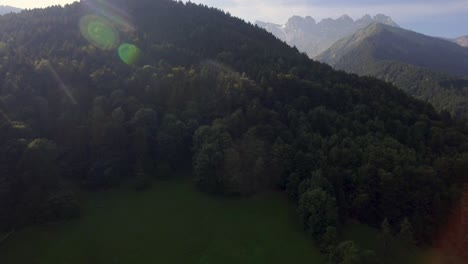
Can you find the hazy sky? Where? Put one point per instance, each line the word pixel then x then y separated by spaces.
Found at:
pixel 34 3
pixel 448 18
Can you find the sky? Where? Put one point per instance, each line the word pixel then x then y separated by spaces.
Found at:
pixel 444 18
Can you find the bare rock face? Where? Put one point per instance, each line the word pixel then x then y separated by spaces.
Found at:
pixel 462 41
pixel 314 38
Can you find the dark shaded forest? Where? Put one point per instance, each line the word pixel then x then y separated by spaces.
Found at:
pixel 446 93
pixel 245 111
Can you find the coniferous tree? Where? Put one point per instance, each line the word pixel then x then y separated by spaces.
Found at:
pixel 386 240
pixel 406 232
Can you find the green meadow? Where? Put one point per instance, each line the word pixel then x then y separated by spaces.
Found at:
pixel 172 222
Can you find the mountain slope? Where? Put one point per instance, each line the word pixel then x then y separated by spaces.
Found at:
pixel 99 95
pixel 313 38
pixel 8 9
pixel 428 68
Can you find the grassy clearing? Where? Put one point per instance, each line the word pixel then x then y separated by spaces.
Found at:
pixel 170 223
pixel 173 222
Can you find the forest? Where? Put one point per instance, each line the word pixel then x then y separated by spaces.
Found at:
pixel 444 92
pixel 428 68
pixel 196 88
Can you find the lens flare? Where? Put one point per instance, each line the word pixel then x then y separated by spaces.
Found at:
pixel 99 32
pixel 5 116
pixel 452 240
pixel 111 12
pixel 129 53
pixel 61 84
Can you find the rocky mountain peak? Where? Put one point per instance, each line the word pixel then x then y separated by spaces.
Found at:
pixel 380 18
pixel 314 37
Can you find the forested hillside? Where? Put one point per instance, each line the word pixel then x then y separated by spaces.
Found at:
pixel 98 92
pixel 389 43
pixel 430 69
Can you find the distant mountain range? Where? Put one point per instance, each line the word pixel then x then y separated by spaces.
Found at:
pixel 8 9
pixel 314 38
pixel 428 68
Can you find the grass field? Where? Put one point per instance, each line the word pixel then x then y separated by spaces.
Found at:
pixel 170 223
pixel 173 222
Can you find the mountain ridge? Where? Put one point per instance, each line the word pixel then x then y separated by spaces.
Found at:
pixel 405 45
pixel 425 67
pixel 314 37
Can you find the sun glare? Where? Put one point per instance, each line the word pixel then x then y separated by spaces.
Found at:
pixel 99 32
pixel 129 53
pixel 102 29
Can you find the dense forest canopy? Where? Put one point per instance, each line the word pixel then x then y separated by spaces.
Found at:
pixel 431 69
pixel 103 91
